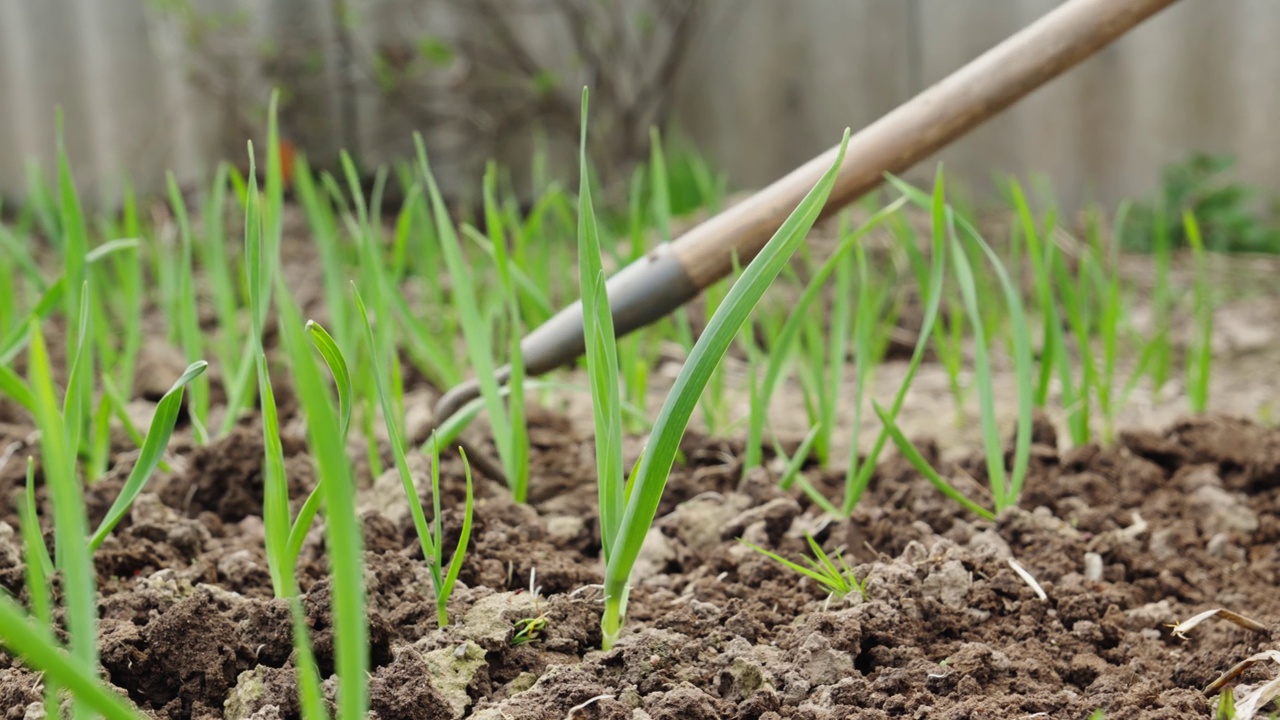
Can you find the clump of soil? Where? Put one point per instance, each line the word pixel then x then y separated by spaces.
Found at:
pixel 1125 541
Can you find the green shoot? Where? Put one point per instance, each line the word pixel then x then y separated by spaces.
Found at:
pixel 475 330
pixel 39 571
pixel 342 527
pixel 655 464
pixel 931 287
pixel 153 447
pixel 72 555
pixel 838 580
pixel 1005 487
pixel 328 349
pixel 217 266
pixel 1200 350
pixel 601 357
pixel 782 348
pixel 913 456
pixel 1160 347
pixel 507 271
pixel 792 470
pixel 192 338
pixel 432 541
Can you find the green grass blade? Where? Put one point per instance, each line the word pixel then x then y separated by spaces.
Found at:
pixel 324 342
pixel 342 527
pixel 676 411
pixel 1200 351
pixel 390 419
pixel 39 570
pixel 38 651
pixel 216 262
pixel 15 388
pixel 18 337
pixel 913 456
pixel 39 564
pixel 931 277
pixel 275 491
pixel 601 356
pixel 506 274
pixel 153 447
pixel 796 461
pixel 73 558
pixel 474 328
pixel 780 350
pixel 75 242
pixel 460 552
pixel 76 403
pixel 189 332
pixel 1022 371
pixel 982 370
pixel 812 574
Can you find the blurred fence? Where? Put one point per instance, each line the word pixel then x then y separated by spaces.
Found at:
pixel 759 87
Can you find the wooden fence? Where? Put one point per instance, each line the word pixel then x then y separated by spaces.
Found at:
pixel 766 84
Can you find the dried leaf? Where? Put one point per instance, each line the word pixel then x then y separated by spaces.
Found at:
pixel 1180 630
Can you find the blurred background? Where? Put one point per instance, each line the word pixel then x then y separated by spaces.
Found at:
pixel 755 87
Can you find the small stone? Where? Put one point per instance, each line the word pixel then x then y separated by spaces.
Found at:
pixel 698 521
pixel 451 674
pixel 1163 544
pixel 1092 567
pixel 988 545
pixel 1218 545
pixel 10 551
pixel 489 622
pixel 1219 511
pixel 564 530
pixel 1151 615
pixel 656 553
pixel 777 515
pixel 949 583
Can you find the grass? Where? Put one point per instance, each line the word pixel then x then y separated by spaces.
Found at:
pixel 644 491
pixel 839 580
pixel 443 298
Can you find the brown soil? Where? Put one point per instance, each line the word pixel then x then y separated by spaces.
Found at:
pixel 1125 542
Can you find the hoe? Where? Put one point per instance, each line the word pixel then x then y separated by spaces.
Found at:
pixel 676 272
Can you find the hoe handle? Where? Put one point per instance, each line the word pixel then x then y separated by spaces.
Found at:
pixel 676 272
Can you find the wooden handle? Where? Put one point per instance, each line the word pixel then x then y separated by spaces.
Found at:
pixel 894 143
pixel 917 129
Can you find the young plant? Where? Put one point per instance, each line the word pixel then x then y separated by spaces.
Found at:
pixel 1005 484
pixel 643 492
pixel 839 580
pixel 1200 351
pixel 260 243
pixel 931 285
pixel 153 447
pixel 784 345
pixel 342 526
pixel 601 359
pixel 432 541
pixel 71 555
pixel 476 332
pixel 507 271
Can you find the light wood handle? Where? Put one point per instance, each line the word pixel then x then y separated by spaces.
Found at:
pixel 916 129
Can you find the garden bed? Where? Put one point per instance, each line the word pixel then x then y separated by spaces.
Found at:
pixel 1125 542
pixel 1067 603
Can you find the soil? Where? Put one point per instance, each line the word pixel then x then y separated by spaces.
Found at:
pixel 1125 540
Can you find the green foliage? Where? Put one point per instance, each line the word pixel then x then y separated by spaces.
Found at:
pixel 1226 210
pixel 839 580
pixel 650 475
